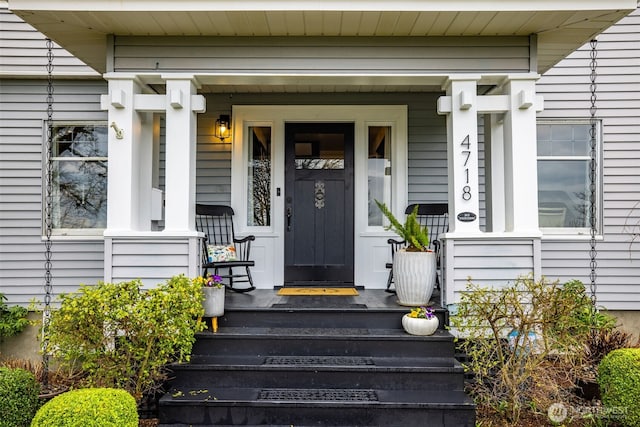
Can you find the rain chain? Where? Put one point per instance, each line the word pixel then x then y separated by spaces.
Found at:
pixel 593 135
pixel 48 285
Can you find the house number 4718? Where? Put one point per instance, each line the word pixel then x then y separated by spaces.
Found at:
pixel 466 153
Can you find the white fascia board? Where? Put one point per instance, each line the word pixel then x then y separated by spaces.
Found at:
pixel 325 5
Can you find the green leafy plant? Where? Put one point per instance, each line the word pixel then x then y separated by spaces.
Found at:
pixel 519 358
pixel 89 407
pixel 12 319
pixel 122 336
pixel 619 380
pixel 416 235
pixel 19 401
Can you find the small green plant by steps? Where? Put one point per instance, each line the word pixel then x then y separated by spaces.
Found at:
pixel 416 236
pixel 619 379
pixel 122 336
pixel 520 358
pixel 19 401
pixel 89 407
pixel 13 320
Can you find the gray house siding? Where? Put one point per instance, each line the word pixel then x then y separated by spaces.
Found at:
pixel 322 54
pixel 566 92
pixel 24 52
pixel 22 116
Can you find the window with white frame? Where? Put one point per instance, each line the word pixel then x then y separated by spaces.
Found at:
pixel 79 173
pixel 564 164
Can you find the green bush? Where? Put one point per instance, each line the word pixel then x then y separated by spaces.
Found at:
pixel 619 380
pixel 12 319
pixel 89 407
pixel 19 392
pixel 122 336
pixel 524 345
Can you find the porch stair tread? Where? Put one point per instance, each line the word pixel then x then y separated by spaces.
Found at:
pixel 250 397
pixel 203 362
pixel 306 366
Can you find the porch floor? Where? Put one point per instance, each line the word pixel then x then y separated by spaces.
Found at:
pixel 368 299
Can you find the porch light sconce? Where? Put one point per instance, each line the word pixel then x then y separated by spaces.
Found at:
pixel 223 127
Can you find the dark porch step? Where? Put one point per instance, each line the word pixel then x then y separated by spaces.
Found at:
pixel 305 317
pixel 323 342
pixel 320 372
pixel 324 407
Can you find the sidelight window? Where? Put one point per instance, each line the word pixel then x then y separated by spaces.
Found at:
pixel 379 171
pixel 259 176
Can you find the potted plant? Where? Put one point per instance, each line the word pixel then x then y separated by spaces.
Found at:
pixel 414 268
pixel 420 321
pixel 213 298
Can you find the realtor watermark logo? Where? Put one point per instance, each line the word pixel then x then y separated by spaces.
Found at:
pixel 559 412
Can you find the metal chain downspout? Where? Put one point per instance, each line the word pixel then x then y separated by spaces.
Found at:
pixel 593 135
pixel 48 199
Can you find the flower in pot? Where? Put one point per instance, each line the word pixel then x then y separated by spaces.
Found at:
pixel 213 297
pixel 414 268
pixel 420 321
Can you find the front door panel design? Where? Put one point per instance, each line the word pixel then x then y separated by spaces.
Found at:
pixel 319 203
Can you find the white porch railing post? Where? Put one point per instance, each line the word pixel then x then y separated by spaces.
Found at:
pixel 520 156
pixel 180 168
pixel 126 151
pixel 462 154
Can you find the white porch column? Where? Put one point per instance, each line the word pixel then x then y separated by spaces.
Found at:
pixel 130 145
pixel 180 168
pixel 462 154
pixel 494 171
pixel 520 155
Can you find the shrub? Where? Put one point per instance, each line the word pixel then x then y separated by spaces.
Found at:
pixel 122 336
pixel 12 319
pixel 90 407
pixel 524 345
pixel 19 392
pixel 619 380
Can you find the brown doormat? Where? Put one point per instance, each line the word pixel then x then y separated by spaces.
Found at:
pixel 318 291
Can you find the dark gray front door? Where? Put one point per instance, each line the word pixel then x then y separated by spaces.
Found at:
pixel 319 203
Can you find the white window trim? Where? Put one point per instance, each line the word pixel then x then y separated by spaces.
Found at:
pixel 67 233
pixel 562 233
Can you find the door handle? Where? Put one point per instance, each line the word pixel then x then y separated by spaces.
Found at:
pixel 289 218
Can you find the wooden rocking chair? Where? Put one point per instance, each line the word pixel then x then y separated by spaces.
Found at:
pixel 436 217
pixel 221 249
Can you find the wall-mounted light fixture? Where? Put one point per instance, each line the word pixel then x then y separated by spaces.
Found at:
pixel 223 127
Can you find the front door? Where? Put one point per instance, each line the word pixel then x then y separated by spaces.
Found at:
pixel 319 203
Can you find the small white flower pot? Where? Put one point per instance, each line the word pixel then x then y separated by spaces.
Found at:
pixel 419 326
pixel 213 301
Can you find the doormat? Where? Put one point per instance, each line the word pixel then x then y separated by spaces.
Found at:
pixel 318 291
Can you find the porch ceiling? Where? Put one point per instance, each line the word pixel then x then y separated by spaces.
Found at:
pixel 82 27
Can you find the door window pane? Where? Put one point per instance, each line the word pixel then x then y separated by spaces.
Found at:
pixel 259 176
pixel 379 171
pixel 319 150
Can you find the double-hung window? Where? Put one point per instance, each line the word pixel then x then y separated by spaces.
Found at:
pixel 564 181
pixel 79 178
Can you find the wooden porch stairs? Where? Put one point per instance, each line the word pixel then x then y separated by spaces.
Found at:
pixel 318 361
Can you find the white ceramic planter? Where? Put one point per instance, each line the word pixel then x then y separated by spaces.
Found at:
pixel 419 326
pixel 213 302
pixel 414 274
